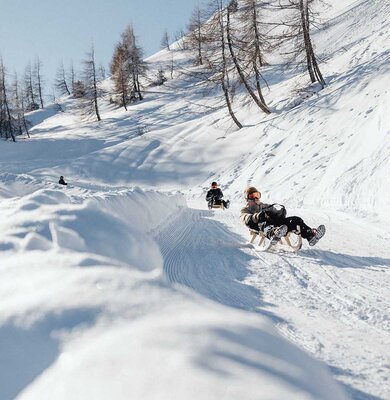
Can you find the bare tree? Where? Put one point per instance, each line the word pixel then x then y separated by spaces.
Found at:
pixel 102 71
pixel 135 56
pixel 302 16
pixel 89 102
pixel 38 81
pixel 196 38
pixel 6 120
pixel 254 66
pixel 217 54
pixel 29 89
pixel 180 37
pixel 72 77
pixel 165 41
pixel 19 107
pixel 60 83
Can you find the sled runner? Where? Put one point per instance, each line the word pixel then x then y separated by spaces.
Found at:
pixel 214 204
pixel 292 241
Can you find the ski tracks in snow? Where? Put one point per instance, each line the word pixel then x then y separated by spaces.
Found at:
pixel 323 300
pixel 195 255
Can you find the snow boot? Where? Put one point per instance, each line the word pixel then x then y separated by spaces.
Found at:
pixel 274 234
pixel 317 234
pixel 227 204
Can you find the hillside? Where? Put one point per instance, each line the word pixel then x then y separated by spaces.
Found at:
pixel 123 284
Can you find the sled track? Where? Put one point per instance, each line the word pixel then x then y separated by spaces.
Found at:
pixel 325 301
pixel 331 311
pixel 194 256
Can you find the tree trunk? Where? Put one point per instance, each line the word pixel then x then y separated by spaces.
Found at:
pixel 5 102
pixel 95 91
pixel 200 60
pixel 224 69
pixel 306 39
pixel 39 83
pixel 260 104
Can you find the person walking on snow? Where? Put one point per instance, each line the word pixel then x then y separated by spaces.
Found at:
pixel 271 219
pixel 215 195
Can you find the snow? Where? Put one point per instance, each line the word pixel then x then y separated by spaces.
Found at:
pixel 123 285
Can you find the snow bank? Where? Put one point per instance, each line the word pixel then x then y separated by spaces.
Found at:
pixel 87 313
pixel 48 219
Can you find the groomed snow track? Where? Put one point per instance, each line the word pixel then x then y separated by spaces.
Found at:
pixel 323 299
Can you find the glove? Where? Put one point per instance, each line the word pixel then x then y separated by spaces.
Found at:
pixel 258 217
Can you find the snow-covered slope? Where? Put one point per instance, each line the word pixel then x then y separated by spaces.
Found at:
pixel 112 291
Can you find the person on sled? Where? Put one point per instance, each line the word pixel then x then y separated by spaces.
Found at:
pixel 272 221
pixel 62 181
pixel 215 195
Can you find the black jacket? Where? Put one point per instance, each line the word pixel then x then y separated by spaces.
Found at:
pixel 216 193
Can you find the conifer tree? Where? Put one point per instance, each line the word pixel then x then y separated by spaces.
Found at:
pixel 18 108
pixel 29 89
pixel 127 67
pixel 252 58
pixel 61 84
pixel 6 119
pixel 90 101
pixel 217 55
pixel 301 18
pixel 195 39
pixel 165 41
pixel 38 80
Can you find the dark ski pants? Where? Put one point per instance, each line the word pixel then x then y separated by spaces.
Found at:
pixel 292 224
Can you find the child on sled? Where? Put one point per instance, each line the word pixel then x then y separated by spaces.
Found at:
pixel 214 196
pixel 272 221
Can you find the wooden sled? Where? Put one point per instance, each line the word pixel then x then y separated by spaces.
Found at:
pixel 213 205
pixel 292 242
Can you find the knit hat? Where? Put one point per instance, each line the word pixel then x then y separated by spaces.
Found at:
pixel 250 190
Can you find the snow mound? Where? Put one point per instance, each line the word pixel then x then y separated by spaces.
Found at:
pixel 86 302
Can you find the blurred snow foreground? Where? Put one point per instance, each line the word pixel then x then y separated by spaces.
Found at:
pixel 86 312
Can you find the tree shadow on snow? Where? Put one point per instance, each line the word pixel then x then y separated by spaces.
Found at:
pixel 341 260
pixel 354 393
pixel 27 351
pixel 249 349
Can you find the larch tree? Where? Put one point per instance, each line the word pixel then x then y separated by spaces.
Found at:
pixel 71 77
pixel 195 39
pixel 121 76
pixel 302 16
pixel 136 63
pixel 21 122
pixel 90 101
pixel 61 84
pixel 165 41
pixel 245 46
pixel 217 58
pixel 6 119
pixel 127 67
pixel 29 89
pixel 38 80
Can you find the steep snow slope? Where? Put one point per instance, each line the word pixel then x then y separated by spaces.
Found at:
pixel 329 151
pixel 93 302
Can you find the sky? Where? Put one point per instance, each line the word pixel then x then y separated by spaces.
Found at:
pixel 63 31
